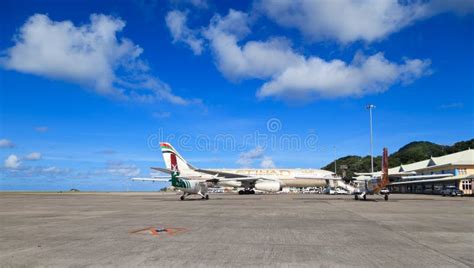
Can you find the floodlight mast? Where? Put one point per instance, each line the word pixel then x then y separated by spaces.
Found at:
pixel 370 107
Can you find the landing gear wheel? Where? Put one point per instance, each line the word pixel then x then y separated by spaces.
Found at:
pixel 241 192
pixel 356 197
pixel 207 197
pixel 386 197
pixel 252 192
pixel 182 197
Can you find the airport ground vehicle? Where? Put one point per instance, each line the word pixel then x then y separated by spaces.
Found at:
pixel 328 190
pixel 341 191
pixel 315 191
pixel 311 190
pixel 452 191
pixel 215 190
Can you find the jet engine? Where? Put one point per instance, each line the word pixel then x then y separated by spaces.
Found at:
pixel 268 186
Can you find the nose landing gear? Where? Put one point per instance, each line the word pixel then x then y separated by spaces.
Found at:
pixel 204 196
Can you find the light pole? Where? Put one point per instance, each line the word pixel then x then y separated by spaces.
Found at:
pixel 371 107
pixel 335 166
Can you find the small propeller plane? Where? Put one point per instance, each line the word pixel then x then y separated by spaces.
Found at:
pixel 188 187
pixel 374 184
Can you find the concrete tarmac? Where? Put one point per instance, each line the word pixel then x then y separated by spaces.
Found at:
pixel 120 229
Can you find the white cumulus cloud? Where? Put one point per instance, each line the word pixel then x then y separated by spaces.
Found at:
pixel 91 55
pixel 12 162
pixel 267 162
pixel 291 75
pixel 247 158
pixel 176 21
pixel 255 59
pixel 4 143
pixel 316 77
pixel 33 156
pixel 352 20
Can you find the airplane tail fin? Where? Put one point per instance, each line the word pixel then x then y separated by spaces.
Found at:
pixel 385 179
pixel 173 160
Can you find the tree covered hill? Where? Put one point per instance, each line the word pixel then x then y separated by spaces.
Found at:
pixel 410 153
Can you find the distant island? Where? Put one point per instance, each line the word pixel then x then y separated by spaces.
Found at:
pixel 410 153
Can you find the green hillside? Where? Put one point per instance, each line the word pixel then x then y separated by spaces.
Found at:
pixel 410 153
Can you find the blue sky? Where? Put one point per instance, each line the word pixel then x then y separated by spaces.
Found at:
pixel 86 90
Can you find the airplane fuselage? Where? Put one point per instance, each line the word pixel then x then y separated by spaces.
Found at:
pixel 287 177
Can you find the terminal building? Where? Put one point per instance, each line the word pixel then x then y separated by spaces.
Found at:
pixel 459 166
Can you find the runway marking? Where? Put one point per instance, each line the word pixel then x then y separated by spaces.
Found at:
pixel 160 231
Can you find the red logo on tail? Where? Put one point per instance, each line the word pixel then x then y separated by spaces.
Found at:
pixel 174 163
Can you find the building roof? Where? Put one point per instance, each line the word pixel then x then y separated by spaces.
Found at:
pixel 453 178
pixel 460 158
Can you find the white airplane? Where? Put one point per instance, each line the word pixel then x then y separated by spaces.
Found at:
pixel 268 180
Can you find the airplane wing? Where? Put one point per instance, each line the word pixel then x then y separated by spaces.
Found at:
pixel 150 179
pixel 162 179
pixel 217 179
pixel 316 177
pixel 218 176
pixel 248 179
